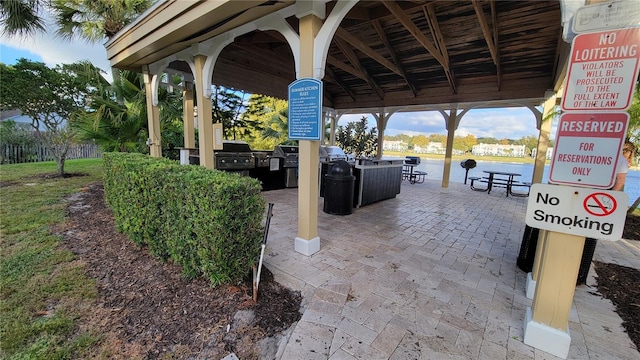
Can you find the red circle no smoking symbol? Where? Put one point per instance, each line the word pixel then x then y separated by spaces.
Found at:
pixel 600 204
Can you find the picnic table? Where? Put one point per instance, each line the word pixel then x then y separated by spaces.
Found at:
pixel 500 179
pixel 413 176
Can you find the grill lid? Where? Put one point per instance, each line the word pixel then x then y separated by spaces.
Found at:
pixel 237 146
pixel 284 150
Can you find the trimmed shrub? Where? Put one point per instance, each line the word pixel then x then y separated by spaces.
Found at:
pixel 207 221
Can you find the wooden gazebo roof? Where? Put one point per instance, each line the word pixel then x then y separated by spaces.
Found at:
pixel 384 54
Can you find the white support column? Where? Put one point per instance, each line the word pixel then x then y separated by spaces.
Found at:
pixel 153 116
pixel 452 125
pixel 187 115
pixel 333 122
pixel 308 242
pixel 546 324
pixel 382 118
pixel 544 125
pixel 205 119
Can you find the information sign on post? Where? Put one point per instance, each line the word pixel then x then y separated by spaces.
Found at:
pixel 305 109
pixel 598 214
pixel 602 71
pixel 588 147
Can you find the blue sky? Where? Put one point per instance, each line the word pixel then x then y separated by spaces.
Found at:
pixel 510 123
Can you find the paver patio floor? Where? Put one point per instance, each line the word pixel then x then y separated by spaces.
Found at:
pixel 430 274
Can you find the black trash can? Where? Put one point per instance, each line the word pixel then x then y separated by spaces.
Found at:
pixel 585 262
pixel 338 189
pixel 528 248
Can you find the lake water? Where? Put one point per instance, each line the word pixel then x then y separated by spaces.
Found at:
pixel 434 168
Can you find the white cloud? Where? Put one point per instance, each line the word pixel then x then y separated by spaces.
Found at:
pixel 53 50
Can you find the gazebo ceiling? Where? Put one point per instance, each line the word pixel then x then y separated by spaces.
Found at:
pixel 384 54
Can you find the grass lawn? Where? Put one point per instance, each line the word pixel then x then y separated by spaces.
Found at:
pixel 42 289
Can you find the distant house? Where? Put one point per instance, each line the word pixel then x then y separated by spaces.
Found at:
pixel 498 150
pixel 395 145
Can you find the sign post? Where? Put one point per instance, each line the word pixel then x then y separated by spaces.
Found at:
pixel 602 72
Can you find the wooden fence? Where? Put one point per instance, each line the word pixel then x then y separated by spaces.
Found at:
pixel 15 154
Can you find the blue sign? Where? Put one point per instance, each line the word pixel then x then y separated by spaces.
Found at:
pixel 305 109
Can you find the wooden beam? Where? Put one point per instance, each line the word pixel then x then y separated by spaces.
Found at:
pixel 532 88
pixel 355 61
pixel 329 74
pixel 394 55
pixel 406 21
pixel 432 20
pixel 490 35
pixel 496 42
pixel 358 44
pixel 331 60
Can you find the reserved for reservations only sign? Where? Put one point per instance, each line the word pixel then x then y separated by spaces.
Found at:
pixel 588 147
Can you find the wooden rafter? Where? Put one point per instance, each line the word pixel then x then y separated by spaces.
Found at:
pixel 394 55
pixel 333 78
pixel 355 61
pixel 413 29
pixel 358 44
pixel 331 60
pixel 490 34
pixel 434 27
pixel 408 24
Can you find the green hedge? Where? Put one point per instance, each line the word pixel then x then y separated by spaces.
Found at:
pixel 207 221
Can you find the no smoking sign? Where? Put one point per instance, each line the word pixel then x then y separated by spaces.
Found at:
pixel 598 214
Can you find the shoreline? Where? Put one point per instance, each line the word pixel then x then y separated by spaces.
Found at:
pixel 503 159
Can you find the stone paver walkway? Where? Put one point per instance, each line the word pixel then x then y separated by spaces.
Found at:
pixel 430 274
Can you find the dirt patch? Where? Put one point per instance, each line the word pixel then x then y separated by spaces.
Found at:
pixel 8 183
pixel 56 176
pixel 146 309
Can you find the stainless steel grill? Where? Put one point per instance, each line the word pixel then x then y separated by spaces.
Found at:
pixel 331 153
pixel 290 163
pixel 289 153
pixel 262 158
pixel 235 156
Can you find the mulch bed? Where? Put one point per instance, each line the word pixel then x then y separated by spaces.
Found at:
pixel 146 309
pixel 621 285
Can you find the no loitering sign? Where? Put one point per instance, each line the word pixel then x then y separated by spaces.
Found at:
pixel 603 70
pixel 598 214
pixel 588 147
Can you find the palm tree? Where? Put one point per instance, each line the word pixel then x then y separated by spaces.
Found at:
pixel 277 128
pixel 92 20
pixel 21 17
pixel 95 20
pixel 122 125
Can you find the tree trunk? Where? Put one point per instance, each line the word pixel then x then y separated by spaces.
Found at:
pixel 60 163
